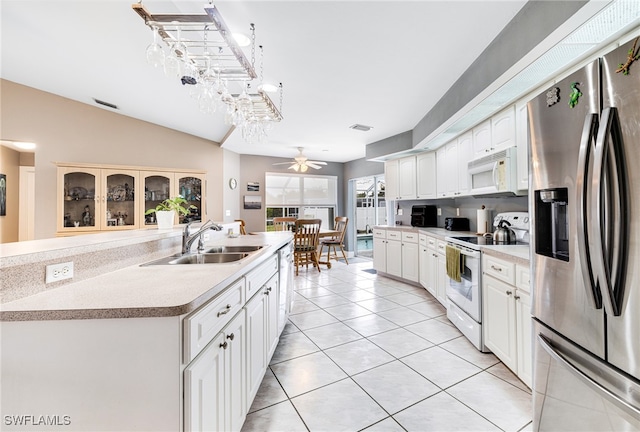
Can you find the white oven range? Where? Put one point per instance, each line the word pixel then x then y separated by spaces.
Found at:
pixel 464 298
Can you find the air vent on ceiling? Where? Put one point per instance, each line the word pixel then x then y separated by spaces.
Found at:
pixel 360 127
pixel 107 104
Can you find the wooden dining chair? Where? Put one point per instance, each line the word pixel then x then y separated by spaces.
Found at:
pixel 305 243
pixel 283 223
pixel 337 240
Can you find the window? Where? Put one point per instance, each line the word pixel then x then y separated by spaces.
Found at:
pixel 303 196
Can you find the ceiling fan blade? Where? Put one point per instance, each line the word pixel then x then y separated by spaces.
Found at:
pixel 283 163
pixel 313 165
pixel 316 162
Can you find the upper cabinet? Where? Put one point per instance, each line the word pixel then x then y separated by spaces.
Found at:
pixel 391 180
pixel 426 175
pixel 482 139
pixel 400 178
pixel 497 133
pixel 522 141
pixel 110 198
pixel 465 154
pixel 407 178
pixel 444 173
pixel 503 129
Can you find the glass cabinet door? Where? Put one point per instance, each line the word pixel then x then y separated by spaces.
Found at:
pixel 119 209
pixel 78 199
pixel 191 188
pixel 157 188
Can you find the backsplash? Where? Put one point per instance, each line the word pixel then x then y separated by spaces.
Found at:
pixel 467 207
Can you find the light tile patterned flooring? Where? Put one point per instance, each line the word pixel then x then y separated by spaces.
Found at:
pixel 364 352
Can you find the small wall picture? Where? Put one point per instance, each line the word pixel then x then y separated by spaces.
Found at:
pixel 252 202
pixel 3 194
pixel 253 187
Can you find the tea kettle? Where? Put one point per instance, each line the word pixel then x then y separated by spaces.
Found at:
pixel 503 234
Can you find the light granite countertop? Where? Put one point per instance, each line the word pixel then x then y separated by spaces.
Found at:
pixel 136 291
pixel 519 253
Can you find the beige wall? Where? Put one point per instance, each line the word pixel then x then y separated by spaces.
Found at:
pixel 231 198
pixel 69 131
pixel 10 166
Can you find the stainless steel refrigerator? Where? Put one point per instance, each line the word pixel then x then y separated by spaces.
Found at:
pixel 585 240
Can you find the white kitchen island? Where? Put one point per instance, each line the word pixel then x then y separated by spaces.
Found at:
pixel 164 347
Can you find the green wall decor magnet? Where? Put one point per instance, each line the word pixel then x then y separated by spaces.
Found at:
pixel 574 95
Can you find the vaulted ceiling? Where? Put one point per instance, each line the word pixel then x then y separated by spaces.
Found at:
pixel 379 63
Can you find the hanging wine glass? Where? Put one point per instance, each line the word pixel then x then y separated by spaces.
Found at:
pixel 155 53
pixel 174 62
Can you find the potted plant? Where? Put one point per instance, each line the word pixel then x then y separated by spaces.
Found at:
pixel 167 209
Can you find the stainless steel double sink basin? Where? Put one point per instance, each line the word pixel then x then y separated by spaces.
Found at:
pixel 213 255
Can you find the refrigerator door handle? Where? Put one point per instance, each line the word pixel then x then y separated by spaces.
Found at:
pixel 618 400
pixel 584 223
pixel 610 212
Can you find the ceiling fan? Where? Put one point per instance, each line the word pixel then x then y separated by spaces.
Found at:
pixel 301 163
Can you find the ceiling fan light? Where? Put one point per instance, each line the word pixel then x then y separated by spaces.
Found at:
pixel 304 168
pixel 295 167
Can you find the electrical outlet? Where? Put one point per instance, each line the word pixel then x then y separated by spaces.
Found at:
pixel 457 211
pixel 439 211
pixel 400 212
pixel 227 213
pixel 58 272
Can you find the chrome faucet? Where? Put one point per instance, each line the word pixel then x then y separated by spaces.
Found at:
pixel 188 238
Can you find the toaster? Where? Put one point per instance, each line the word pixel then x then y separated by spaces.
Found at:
pixel 456 224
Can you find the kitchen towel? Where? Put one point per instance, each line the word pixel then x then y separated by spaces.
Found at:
pixel 484 221
pixel 452 255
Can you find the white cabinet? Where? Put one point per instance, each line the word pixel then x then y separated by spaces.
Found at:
pixel 464 153
pixel 499 322
pixel 410 256
pixel 506 312
pixel 482 139
pixel 407 178
pixel 426 175
pixel 447 172
pixel 380 250
pixel 392 189
pixel 503 129
pixel 262 333
pixel 522 144
pixel 214 383
pixel 441 274
pixel 423 260
pixel 429 264
pixel 394 253
pixel 400 178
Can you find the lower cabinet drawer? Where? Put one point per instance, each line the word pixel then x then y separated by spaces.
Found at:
pixel 205 323
pixel 259 276
pixel 499 269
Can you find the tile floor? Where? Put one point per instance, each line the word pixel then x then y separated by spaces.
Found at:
pixel 364 352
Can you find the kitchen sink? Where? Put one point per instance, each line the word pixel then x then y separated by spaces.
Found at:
pixel 200 258
pixel 232 249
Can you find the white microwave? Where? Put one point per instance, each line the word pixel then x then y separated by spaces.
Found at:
pixel 495 173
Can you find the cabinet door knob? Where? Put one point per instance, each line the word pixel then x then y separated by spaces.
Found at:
pixel 496 268
pixel 231 336
pixel 224 345
pixel 509 292
pixel 517 297
pixel 225 310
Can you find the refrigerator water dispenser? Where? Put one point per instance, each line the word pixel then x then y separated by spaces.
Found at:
pixel 552 223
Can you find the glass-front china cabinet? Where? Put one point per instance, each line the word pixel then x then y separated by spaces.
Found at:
pixel 106 198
